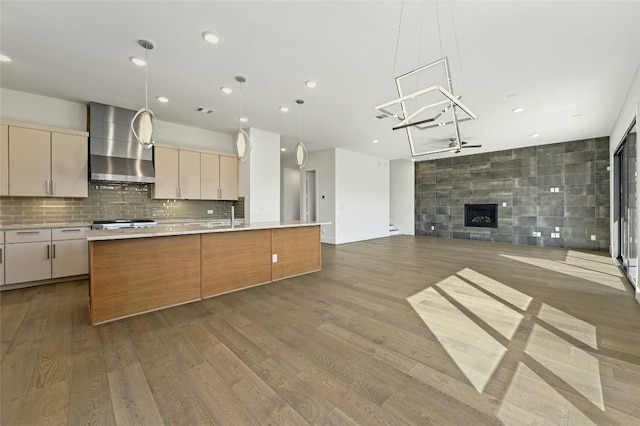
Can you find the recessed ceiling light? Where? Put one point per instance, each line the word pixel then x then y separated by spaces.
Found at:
pixel 162 99
pixel 243 119
pixel 210 37
pixel 310 83
pixel 535 135
pixel 283 149
pixel 226 90
pixel 519 109
pixel 137 61
pixel 375 141
pixel 284 109
pixel 4 58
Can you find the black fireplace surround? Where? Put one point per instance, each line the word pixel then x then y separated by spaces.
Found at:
pixel 481 215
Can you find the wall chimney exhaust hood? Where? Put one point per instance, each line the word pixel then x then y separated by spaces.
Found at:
pixel 114 153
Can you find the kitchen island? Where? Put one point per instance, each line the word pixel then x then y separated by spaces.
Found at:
pixel 133 271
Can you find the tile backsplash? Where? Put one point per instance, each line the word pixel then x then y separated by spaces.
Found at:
pixel 110 201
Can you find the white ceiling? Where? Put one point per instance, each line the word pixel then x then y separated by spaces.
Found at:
pixel 569 64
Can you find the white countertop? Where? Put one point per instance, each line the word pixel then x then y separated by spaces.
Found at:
pixel 43 225
pixel 171 230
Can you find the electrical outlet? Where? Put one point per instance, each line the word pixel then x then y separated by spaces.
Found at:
pixel 593 238
pixel 504 204
pixel 555 235
pixel 551 190
pixel 209 211
pixel 536 234
pixel 433 228
pixel 557 228
pixel 274 258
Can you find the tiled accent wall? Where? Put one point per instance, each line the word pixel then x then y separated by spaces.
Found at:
pixel 110 201
pixel 522 179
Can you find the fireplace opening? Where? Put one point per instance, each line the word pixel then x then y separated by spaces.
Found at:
pixel 481 215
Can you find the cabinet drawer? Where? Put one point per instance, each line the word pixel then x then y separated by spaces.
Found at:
pixel 27 235
pixel 75 233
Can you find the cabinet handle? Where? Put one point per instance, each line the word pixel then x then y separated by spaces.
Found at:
pixel 53 188
pixel 48 251
pixel 1 257
pixel 71 230
pixel 27 232
pixel 54 251
pixel 48 187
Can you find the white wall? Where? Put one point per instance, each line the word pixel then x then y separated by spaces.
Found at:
pixel 36 109
pixel 259 177
pixel 402 195
pixel 192 137
pixel 362 196
pixel 630 110
pixel 323 162
pixel 290 194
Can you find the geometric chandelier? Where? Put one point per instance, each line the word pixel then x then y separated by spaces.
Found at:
pixel 426 108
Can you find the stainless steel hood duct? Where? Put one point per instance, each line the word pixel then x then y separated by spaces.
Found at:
pixel 114 153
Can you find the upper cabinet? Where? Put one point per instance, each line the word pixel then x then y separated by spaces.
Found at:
pixel 177 174
pixel 219 177
pixel 38 162
pixel 194 175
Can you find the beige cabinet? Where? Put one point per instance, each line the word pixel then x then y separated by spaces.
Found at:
pixel 219 174
pixel 69 252
pixel 228 178
pixel 44 163
pixel 27 255
pixel 42 254
pixel 177 174
pixel 4 159
pixel 2 258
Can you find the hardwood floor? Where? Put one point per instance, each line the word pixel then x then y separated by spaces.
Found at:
pixel 399 330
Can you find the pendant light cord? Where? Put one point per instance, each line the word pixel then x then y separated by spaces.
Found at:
pixel 300 122
pixel 241 105
pixel 455 36
pixel 146 79
pixel 439 30
pixel 395 57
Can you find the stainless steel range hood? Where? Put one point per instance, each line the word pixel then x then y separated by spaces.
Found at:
pixel 114 153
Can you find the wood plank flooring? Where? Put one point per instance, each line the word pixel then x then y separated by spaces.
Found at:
pixel 394 331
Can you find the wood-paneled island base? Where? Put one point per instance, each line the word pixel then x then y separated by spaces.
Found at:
pixel 133 271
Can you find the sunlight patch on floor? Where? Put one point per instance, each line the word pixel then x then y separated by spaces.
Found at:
pixel 592 261
pixel 496 314
pixel 473 350
pixel 504 292
pixel 530 400
pixel 571 325
pixel 576 367
pixel 605 279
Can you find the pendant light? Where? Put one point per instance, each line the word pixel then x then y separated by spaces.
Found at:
pixel 300 153
pixel 243 143
pixel 147 124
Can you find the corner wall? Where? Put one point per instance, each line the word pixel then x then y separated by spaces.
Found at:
pixel 402 195
pixel 522 179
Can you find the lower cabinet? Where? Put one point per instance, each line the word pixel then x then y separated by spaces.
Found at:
pixel 42 254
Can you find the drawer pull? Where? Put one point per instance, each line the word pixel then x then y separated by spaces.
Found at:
pixel 28 232
pixel 71 230
pixel 54 251
pixel 1 256
pixel 48 251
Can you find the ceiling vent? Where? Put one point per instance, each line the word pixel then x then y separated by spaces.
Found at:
pixel 205 110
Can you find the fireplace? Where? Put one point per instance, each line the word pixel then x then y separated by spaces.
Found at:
pixel 481 215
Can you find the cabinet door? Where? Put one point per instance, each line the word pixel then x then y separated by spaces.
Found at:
pixel 189 175
pixel 27 262
pixel 1 264
pixel 4 159
pixel 69 165
pixel 210 176
pixel 166 167
pixel 228 178
pixel 70 257
pixel 29 162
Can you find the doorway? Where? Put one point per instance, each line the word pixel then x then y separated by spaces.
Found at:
pixel 310 204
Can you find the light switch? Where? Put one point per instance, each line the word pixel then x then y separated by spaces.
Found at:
pixel 274 258
pixel 504 204
pixel 593 238
pixel 557 228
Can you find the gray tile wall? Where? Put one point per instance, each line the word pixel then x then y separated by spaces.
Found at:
pixel 522 179
pixel 110 201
